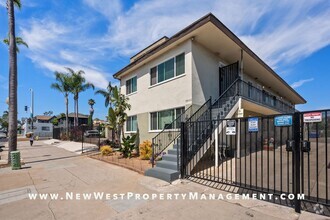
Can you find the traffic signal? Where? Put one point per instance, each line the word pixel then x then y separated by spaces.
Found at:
pixel 25 108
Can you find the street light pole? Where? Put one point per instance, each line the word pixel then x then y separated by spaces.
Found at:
pixel 31 109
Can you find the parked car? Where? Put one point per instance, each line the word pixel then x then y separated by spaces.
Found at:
pixel 92 133
pixel 2 135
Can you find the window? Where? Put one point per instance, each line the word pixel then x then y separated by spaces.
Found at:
pixel 45 128
pixel 167 70
pixel 131 123
pixel 131 85
pixel 163 119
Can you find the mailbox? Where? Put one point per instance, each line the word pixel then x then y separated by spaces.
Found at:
pixel 306 146
pixel 289 145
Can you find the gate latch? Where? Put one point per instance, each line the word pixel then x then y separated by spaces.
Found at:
pixel 289 145
pixel 306 146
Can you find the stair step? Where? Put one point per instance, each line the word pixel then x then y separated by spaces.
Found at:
pixel 170 157
pixel 167 164
pixel 163 174
pixel 173 152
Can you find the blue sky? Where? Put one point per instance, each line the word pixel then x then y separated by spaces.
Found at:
pixel 99 36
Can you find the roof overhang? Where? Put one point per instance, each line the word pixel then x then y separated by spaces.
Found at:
pixel 217 38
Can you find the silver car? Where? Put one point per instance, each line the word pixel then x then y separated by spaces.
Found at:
pixel 92 133
pixel 2 135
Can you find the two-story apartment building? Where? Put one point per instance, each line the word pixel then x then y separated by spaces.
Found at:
pixel 201 61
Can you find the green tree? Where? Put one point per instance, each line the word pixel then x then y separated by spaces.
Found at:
pixel 107 94
pixel 78 85
pixel 91 102
pixel 12 122
pixel 63 85
pixel 55 122
pixel 4 121
pixel 121 105
pixel 19 41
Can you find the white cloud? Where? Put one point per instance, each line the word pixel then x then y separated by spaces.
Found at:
pixel 277 30
pixel 109 8
pixel 52 46
pixel 301 82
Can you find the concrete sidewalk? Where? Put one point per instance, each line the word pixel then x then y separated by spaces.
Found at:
pixel 49 169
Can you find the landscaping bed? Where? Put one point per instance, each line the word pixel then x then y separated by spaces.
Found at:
pixel 133 163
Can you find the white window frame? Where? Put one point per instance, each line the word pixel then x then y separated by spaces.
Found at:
pixel 126 124
pixel 175 70
pixel 175 116
pixel 126 85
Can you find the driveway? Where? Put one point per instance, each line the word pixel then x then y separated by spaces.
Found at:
pixel 49 169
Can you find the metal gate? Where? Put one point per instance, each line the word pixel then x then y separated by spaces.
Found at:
pixel 279 158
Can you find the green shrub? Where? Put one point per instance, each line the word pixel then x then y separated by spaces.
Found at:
pixel 128 145
pixel 145 150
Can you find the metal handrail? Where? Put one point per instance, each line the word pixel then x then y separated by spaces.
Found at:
pixel 263 97
pixel 176 133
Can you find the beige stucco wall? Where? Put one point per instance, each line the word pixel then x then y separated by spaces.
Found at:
pixel 205 74
pixel 176 92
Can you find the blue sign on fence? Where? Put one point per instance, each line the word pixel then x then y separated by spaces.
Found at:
pixel 282 121
pixel 253 124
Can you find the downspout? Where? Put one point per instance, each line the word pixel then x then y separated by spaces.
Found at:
pixel 239 107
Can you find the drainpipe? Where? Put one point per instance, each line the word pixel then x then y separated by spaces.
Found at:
pixel 241 65
pixel 238 153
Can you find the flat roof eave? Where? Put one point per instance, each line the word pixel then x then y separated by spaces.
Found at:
pixel 210 18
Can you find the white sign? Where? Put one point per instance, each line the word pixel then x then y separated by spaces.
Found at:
pixel 312 117
pixel 240 113
pixel 231 127
pixel 253 124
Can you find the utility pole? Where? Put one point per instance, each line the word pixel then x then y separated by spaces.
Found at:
pixel 31 109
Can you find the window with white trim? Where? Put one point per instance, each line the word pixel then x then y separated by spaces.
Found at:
pixel 131 124
pixel 160 120
pixel 131 85
pixel 168 69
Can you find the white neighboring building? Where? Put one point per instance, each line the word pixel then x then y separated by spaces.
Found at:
pixel 42 127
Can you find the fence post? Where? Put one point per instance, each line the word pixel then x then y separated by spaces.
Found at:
pixel 82 140
pixel 99 129
pixel 153 152
pixel 182 149
pixel 296 155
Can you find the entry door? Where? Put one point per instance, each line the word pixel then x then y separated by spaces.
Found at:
pixel 228 74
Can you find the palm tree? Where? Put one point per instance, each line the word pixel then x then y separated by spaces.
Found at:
pixel 121 105
pixel 91 102
pixel 107 94
pixel 12 130
pixel 63 85
pixel 19 41
pixel 79 85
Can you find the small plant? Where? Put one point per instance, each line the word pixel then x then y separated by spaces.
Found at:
pixel 145 150
pixel 128 145
pixel 106 150
pixel 63 136
pixel 114 144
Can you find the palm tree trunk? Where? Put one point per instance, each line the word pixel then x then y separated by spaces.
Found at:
pixel 67 115
pixel 12 118
pixel 77 112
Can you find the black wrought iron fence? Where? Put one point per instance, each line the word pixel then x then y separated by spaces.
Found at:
pixel 91 138
pixel 286 156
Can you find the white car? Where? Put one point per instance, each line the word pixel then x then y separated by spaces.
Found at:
pixel 92 133
pixel 2 135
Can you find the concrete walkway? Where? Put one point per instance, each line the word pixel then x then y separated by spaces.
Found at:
pixel 49 169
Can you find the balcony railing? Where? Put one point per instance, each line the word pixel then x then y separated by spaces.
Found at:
pixel 260 96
